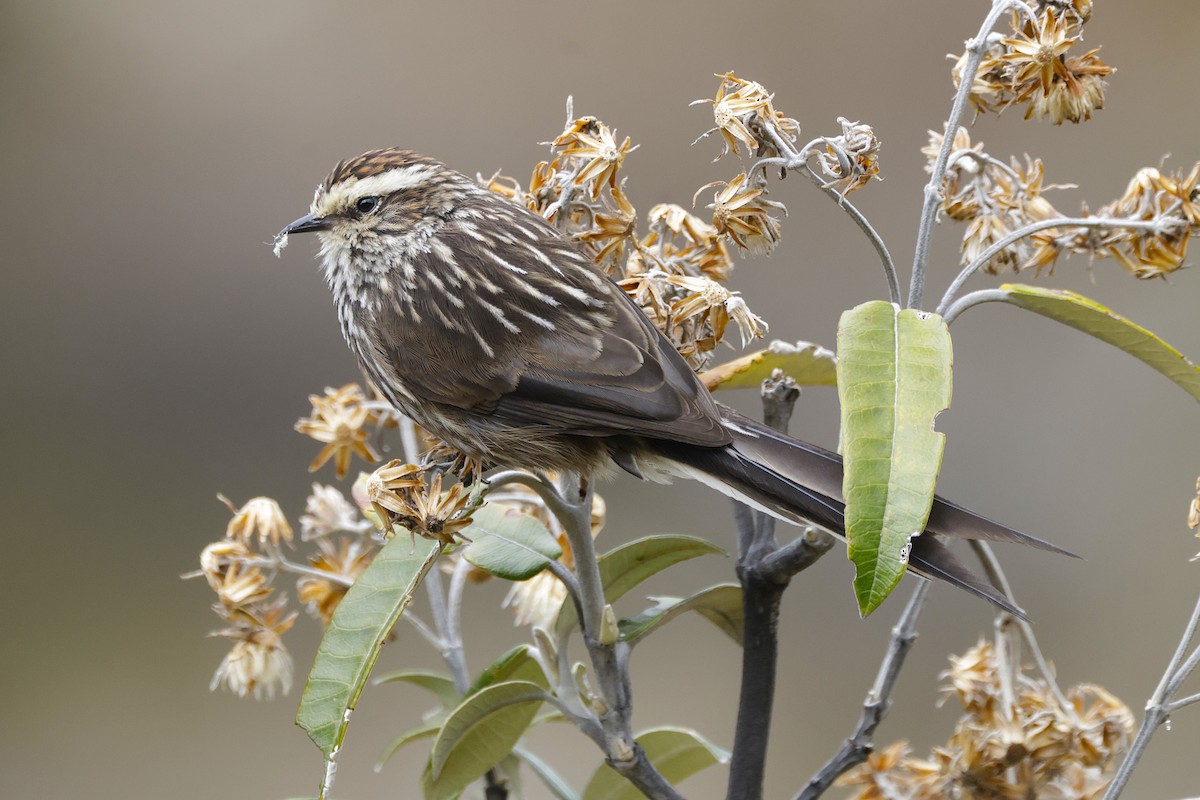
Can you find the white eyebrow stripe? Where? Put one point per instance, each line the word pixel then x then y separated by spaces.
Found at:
pixel 338 197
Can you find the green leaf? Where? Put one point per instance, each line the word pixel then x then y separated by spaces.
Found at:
pixel 806 363
pixel 721 605
pixel 441 685
pixel 893 381
pixel 509 544
pixel 677 753
pixel 425 730
pixel 626 566
pixel 518 664
pixel 554 782
pixel 478 734
pixel 1085 314
pixel 351 643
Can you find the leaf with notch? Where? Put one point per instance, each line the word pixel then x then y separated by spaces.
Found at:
pixel 894 371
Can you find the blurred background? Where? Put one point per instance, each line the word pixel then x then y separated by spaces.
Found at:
pixel 155 353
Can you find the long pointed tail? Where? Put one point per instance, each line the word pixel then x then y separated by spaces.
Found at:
pixel 803 483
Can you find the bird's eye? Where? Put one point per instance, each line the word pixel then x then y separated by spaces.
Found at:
pixel 365 205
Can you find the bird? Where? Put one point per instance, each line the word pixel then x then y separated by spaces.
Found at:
pixel 484 324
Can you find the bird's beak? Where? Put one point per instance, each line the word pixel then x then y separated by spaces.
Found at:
pixel 306 224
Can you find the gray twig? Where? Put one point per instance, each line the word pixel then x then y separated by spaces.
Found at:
pixel 1161 704
pixel 933 190
pixel 859 745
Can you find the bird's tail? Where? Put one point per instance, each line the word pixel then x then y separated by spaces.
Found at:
pixel 802 483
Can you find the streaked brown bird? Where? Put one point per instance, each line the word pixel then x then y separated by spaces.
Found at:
pixel 485 325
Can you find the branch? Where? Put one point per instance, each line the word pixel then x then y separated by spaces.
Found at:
pixel 995 574
pixel 572 505
pixel 798 159
pixel 764 570
pixel 1160 705
pixel 859 745
pixel 1032 228
pixel 933 190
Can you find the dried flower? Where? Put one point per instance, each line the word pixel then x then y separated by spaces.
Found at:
pixel 1014 740
pixel 743 113
pixel 260 518
pixel 258 664
pixel 852 159
pixel 338 419
pixel 737 215
pixel 399 494
pixel 592 145
pixel 1033 67
pixel 344 563
pixel 610 231
pixel 1193 519
pixel 237 586
pixel 327 512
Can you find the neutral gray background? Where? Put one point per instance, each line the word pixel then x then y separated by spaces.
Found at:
pixel 155 353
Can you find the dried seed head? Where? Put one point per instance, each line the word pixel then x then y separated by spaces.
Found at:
pixel 338 420
pixel 260 518
pixel 258 664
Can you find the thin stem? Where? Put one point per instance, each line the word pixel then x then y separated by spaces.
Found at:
pixel 574 496
pixel 571 503
pixel 1189 630
pixel 408 438
pixel 281 563
pixel 1159 707
pixel 995 573
pixel 452 651
pixel 973 299
pixel 933 190
pixel 798 159
pixel 1181 674
pixel 1175 705
pixel 446 611
pixel 859 745
pixel 454 597
pixel 885 257
pixel 1029 230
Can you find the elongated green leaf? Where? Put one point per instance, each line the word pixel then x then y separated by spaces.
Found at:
pixel 721 605
pixel 554 782
pixel 1085 314
pixel 626 566
pixel 441 685
pixel 351 643
pixel 478 734
pixel 425 730
pixel 806 363
pixel 677 753
pixel 509 544
pixel 518 664
pixel 893 381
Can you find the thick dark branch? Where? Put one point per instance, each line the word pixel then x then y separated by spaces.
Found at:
pixel 762 592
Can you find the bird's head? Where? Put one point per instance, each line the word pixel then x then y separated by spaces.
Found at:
pixel 372 211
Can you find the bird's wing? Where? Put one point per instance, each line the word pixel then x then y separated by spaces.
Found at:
pixel 528 332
